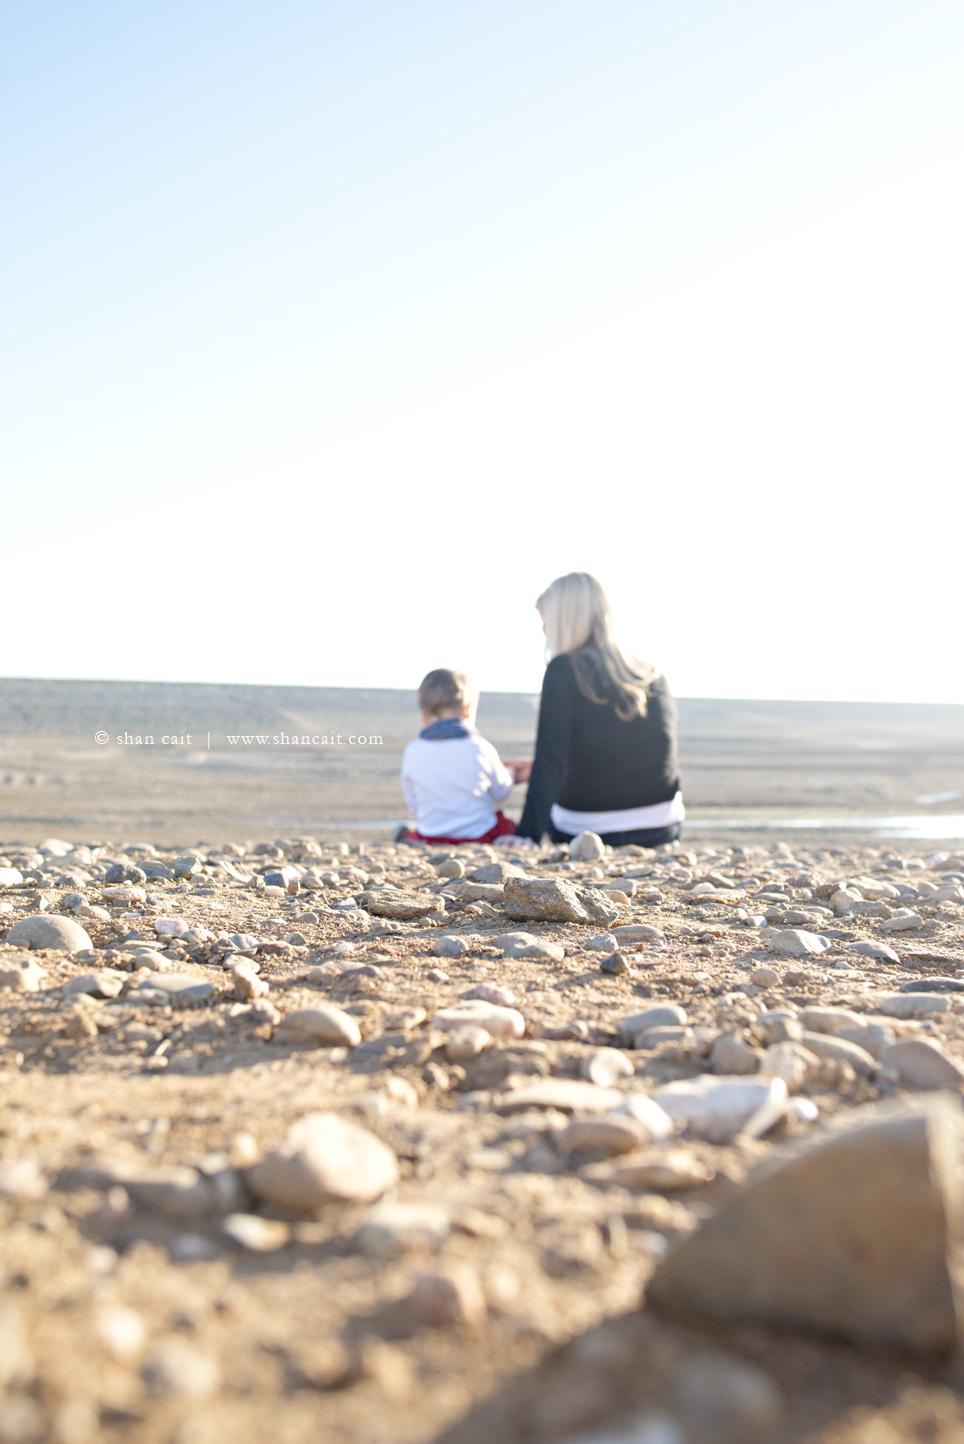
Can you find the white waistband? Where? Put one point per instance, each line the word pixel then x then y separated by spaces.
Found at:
pixel 628 819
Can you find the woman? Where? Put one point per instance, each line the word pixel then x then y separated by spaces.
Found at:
pixel 606 747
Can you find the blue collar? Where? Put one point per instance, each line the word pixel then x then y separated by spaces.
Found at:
pixel 444 729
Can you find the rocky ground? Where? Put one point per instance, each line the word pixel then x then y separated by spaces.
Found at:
pixel 305 1141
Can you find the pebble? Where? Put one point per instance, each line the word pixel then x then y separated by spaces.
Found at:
pixel 667 1014
pixel 872 1037
pixel 492 993
pixel 730 1054
pixel 452 867
pixel 324 1024
pixel 473 1012
pixel 903 921
pixel 831 1046
pixel 603 943
pixel 179 1369
pixel 448 946
pixel 466 1043
pixel 20 972
pixel 605 1067
pixel 450 1296
pixel 670 1171
pixel 637 933
pixel 610 1135
pixel 939 984
pixel 177 987
pixel 324 1159
pixel 50 932
pixel 829 1020
pixel 880 951
pixel 256 1234
pixel 587 847
pixel 792 1062
pixel 919 1063
pixel 718 1109
pixel 170 927
pixel 390 1229
pixel 616 964
pixel 107 983
pixel 121 1330
pixel 764 977
pixel 10 877
pixel 496 872
pixel 796 942
pixel 569 1095
pixel 913 1005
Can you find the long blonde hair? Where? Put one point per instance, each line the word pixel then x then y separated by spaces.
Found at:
pixel 578 620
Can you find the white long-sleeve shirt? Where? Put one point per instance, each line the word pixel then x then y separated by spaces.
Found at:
pixel 452 785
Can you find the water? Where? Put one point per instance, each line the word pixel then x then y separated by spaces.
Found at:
pixel 948 825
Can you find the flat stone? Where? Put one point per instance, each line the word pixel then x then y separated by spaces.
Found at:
pixel 546 899
pixel 880 951
pixel 570 1095
pixel 665 1015
pixel 850 1237
pixel 587 847
pixel 20 972
pixel 796 942
pixel 920 1063
pixel 324 1159
pixel 829 1020
pixel 637 933
pixel 872 1037
pixel 473 1012
pixel 179 987
pixel 913 1005
pixel 669 1171
pixel 730 1054
pixel 718 1109
pixel 448 946
pixel 107 983
pixel 392 1229
pixel 256 1234
pixel 323 1024
pixel 402 907
pixel 938 984
pixel 902 922
pixel 50 932
pixel 605 1067
pixel 832 1046
pixel 610 1135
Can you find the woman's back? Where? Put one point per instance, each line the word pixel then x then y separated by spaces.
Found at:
pixel 588 757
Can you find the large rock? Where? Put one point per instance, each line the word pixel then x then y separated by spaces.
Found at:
pixel 919 1063
pixel 544 899
pixel 850 1237
pixel 718 1109
pixel 324 1159
pixel 50 932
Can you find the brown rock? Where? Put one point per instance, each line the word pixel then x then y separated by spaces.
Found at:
pixel 850 1237
pixel 544 898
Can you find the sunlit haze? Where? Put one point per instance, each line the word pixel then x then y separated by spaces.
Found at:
pixel 332 333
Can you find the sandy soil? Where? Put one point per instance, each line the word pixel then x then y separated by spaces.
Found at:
pixel 135 1315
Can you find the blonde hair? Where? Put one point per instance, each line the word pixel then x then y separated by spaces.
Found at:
pixel 443 691
pixel 578 620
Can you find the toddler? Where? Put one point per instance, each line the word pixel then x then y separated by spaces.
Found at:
pixel 451 777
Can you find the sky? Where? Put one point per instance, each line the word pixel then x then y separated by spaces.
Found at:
pixel 330 334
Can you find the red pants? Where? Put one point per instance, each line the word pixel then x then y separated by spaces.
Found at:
pixel 504 827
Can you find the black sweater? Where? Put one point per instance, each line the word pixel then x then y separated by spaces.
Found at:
pixel 589 760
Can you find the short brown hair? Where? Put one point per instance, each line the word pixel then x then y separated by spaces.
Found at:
pixel 443 690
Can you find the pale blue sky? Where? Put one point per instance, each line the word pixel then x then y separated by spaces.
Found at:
pixel 330 334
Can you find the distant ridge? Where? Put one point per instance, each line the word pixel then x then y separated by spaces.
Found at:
pixel 65 708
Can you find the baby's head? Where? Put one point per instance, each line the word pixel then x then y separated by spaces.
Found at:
pixel 446 694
